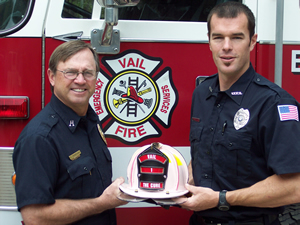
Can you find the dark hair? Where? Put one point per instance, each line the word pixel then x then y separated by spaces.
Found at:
pixel 64 51
pixel 232 10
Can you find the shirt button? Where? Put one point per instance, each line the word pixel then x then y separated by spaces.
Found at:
pixel 258 79
pixel 211 129
pixel 205 176
pixel 230 144
pixel 84 168
pixel 218 106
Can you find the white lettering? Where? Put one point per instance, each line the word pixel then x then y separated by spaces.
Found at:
pixel 155 185
pixel 151 156
pixel 295 61
pixel 236 93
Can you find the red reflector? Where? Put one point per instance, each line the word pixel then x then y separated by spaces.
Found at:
pixel 149 185
pixel 152 170
pixel 152 157
pixel 14 107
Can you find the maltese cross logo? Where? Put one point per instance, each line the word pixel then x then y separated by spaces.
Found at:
pixel 131 95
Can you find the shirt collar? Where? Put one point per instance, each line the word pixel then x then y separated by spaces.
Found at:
pixel 70 118
pixel 237 90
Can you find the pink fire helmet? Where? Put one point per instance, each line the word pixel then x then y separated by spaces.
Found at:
pixel 156 171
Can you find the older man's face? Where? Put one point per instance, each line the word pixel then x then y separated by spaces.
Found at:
pixel 74 93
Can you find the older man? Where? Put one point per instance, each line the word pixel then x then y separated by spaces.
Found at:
pixel 61 159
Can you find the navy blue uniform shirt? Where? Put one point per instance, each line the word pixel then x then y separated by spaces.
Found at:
pixel 60 155
pixel 242 136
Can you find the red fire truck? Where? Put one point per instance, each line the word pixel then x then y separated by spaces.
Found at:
pixel 158 47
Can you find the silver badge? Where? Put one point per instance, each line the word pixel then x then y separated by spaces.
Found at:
pixel 241 118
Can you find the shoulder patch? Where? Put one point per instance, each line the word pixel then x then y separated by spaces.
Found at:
pixel 288 112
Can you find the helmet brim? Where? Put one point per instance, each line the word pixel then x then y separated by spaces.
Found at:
pixel 170 201
pixel 157 194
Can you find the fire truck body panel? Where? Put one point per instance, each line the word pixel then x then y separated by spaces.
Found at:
pixel 180 53
pixel 21 66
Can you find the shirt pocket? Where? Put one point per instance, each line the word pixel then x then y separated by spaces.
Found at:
pixel 233 155
pixel 196 131
pixel 195 136
pixel 83 177
pixel 80 167
pixel 195 142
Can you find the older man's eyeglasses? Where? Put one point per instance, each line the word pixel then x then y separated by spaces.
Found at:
pixel 73 74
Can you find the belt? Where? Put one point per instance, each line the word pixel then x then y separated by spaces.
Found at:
pixel 262 220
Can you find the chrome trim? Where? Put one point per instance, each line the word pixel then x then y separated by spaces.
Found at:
pixel 13 206
pixel 43 56
pixel 69 36
pixel 107 40
pixel 111 20
pixel 9 208
pixel 272 42
pixel 6 148
pixel 21 23
pixel 118 3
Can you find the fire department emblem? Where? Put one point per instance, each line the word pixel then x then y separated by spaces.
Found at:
pixel 131 96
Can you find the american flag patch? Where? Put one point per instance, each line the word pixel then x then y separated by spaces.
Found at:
pixel 288 112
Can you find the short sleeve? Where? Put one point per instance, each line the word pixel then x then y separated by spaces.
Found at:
pixel 36 166
pixel 281 137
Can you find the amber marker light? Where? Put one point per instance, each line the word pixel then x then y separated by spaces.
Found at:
pixel 13 178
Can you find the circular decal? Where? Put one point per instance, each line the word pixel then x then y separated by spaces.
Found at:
pixel 132 97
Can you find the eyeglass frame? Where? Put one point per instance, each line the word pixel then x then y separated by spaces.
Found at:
pixel 77 73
